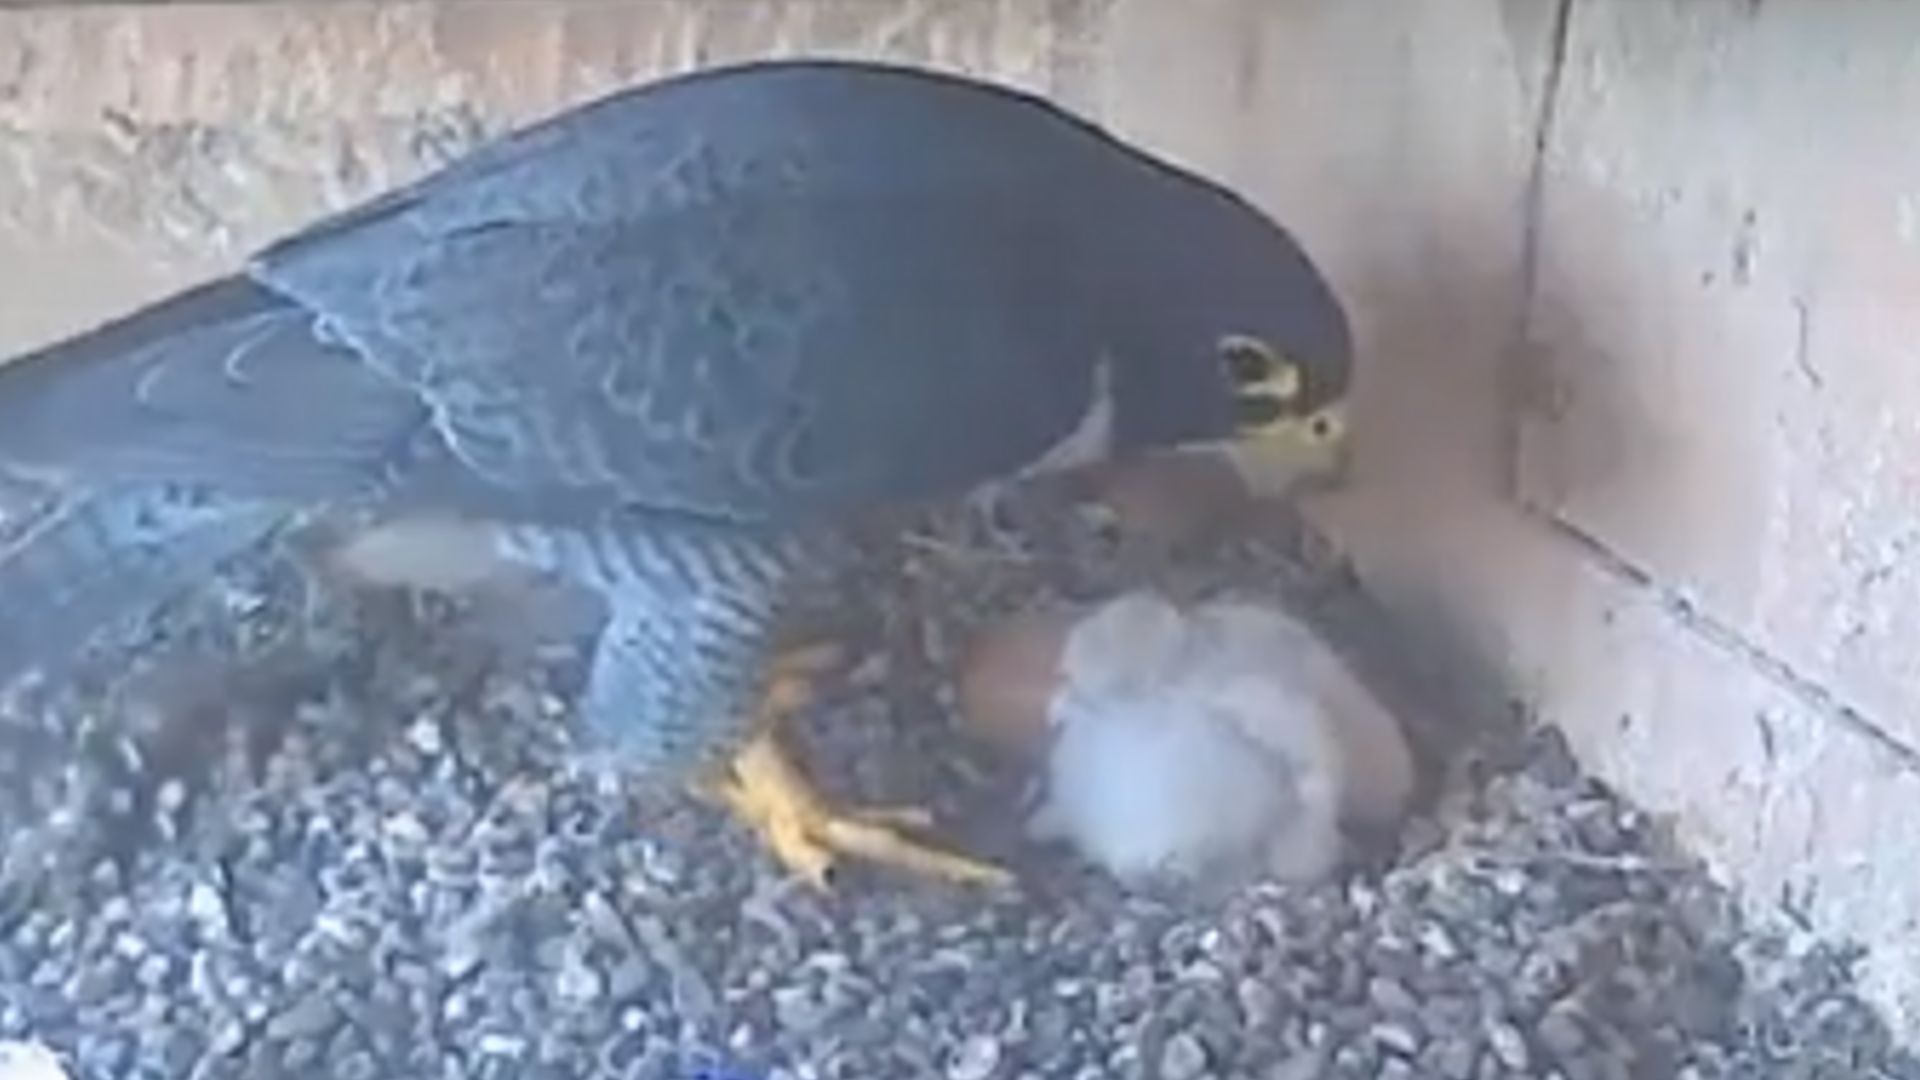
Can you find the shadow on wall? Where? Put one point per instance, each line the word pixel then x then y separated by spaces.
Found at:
pixel 1581 430
pixel 1456 394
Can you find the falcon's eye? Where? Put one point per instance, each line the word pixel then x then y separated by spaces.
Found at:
pixel 1255 368
pixel 1248 362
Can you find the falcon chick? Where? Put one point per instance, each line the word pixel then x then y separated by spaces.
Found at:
pixel 1208 744
pixel 670 346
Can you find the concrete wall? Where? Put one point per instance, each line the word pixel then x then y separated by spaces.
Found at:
pixel 1638 420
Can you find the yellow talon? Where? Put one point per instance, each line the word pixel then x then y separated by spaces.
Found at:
pixel 768 792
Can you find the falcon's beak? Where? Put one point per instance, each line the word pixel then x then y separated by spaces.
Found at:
pixel 1294 454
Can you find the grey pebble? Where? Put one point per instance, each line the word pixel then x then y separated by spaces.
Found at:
pixel 1454 1058
pixel 800 1009
pixel 627 977
pixel 300 1055
pixel 1183 1057
pixel 1301 1065
pixel 577 981
pixel 229 1036
pixel 1259 1004
pixel 155 971
pixel 496 1044
pixel 1355 1058
pixel 94 985
pixel 1561 1033
pixel 1509 1045
pixel 309 1017
pixel 978 1058
pixel 104 1055
pixel 1392 996
pixel 1396 1037
pixel 358 1065
pixel 1395 1069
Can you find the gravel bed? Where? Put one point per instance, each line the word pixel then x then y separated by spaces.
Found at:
pixel 279 832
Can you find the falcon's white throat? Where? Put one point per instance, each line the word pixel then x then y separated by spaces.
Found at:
pixel 1091 440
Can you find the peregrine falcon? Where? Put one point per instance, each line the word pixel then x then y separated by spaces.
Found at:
pixel 667 346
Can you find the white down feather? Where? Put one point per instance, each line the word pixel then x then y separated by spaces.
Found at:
pixel 1209 744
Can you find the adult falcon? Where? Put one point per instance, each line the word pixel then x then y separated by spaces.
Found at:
pixel 669 346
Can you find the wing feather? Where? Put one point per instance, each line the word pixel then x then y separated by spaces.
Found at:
pixel 751 294
pixel 767 361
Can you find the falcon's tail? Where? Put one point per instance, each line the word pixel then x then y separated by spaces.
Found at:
pixel 228 385
pixel 109 556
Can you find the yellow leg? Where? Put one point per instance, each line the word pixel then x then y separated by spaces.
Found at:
pixel 806 835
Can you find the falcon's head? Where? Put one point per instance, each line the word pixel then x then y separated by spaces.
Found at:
pixel 1237 344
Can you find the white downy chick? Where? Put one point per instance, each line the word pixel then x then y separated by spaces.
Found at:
pixel 1214 743
pixel 29 1061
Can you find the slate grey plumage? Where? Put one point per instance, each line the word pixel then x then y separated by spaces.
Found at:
pixel 664 342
